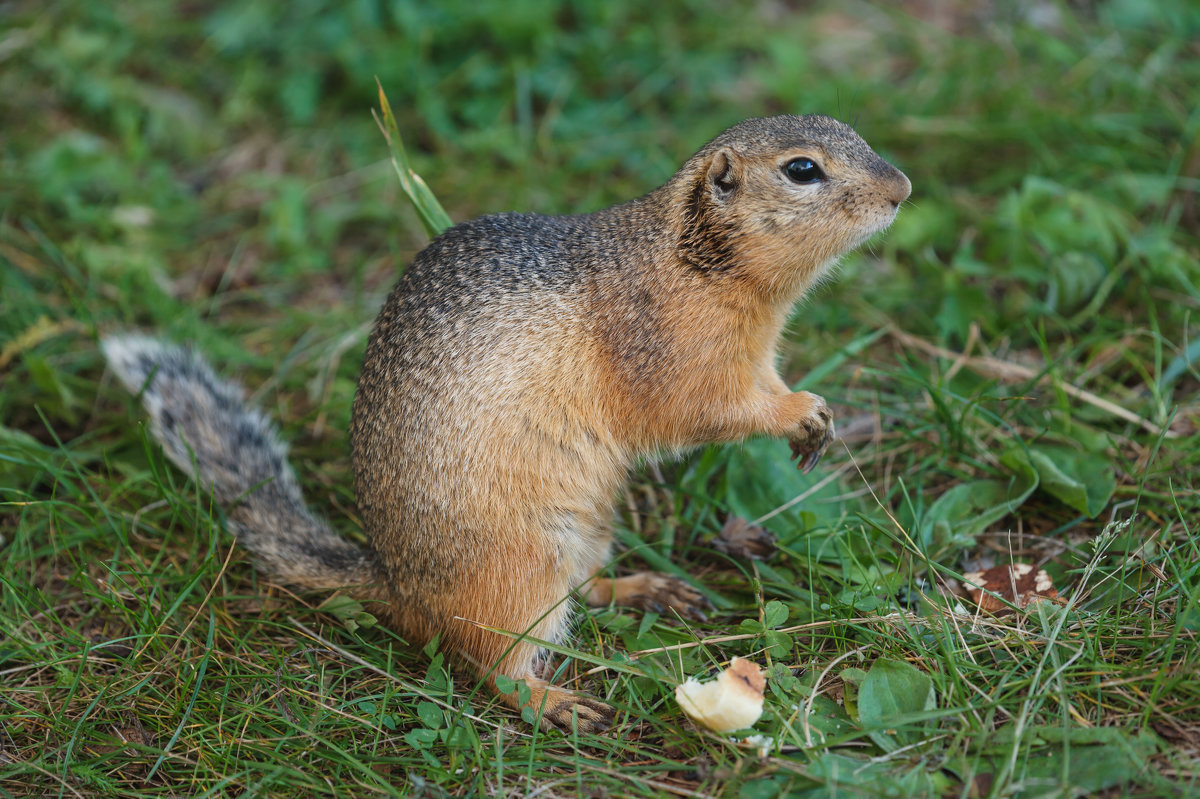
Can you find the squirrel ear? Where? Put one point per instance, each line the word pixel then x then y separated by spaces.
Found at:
pixel 720 175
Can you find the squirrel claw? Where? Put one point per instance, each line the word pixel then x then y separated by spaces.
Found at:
pixel 565 712
pixel 809 447
pixel 661 593
pixel 806 461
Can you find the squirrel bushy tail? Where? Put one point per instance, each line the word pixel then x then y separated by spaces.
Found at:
pixel 234 451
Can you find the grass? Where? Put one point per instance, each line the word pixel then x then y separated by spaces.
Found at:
pixel 1013 366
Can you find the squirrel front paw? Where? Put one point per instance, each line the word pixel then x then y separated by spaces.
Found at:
pixel 812 436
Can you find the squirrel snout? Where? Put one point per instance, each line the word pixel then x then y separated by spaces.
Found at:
pixel 898 189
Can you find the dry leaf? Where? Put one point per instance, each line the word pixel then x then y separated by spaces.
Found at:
pixel 1019 583
pixel 744 541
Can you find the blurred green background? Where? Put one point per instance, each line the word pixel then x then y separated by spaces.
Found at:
pixel 174 148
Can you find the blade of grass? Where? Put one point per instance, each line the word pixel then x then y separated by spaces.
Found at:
pixel 433 217
pixel 187 710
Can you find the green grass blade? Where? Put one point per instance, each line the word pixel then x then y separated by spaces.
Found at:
pixel 433 217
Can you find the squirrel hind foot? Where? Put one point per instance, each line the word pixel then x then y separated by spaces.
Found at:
pixel 559 709
pixel 565 711
pixel 652 592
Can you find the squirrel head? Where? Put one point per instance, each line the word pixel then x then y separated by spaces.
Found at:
pixel 773 201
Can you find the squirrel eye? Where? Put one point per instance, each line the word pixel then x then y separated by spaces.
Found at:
pixel 803 170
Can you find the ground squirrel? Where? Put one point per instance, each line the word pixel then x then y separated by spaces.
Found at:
pixel 518 370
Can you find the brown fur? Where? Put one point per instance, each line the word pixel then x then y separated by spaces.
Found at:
pixel 655 327
pixel 523 364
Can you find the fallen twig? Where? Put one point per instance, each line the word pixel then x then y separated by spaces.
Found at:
pixel 1005 370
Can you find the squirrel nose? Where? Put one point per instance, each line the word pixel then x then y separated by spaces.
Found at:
pixel 899 189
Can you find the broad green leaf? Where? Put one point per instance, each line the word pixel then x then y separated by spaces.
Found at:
pixel 774 614
pixel 1082 480
pixel 21 456
pixel 849 776
pixel 750 626
pixel 771 787
pixel 649 619
pixel 852 680
pixel 892 693
pixel 760 476
pixel 421 738
pixel 1087 770
pixel 1080 760
pixel 1074 278
pixel 778 644
pixel 853 675
pixel 830 718
pixel 781 679
pixel 349 611
pixel 430 715
pixel 966 510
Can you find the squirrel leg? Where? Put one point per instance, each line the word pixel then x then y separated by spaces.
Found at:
pixel 653 591
pixel 756 403
pixel 801 417
pixel 525 601
pixel 559 709
pixel 811 429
